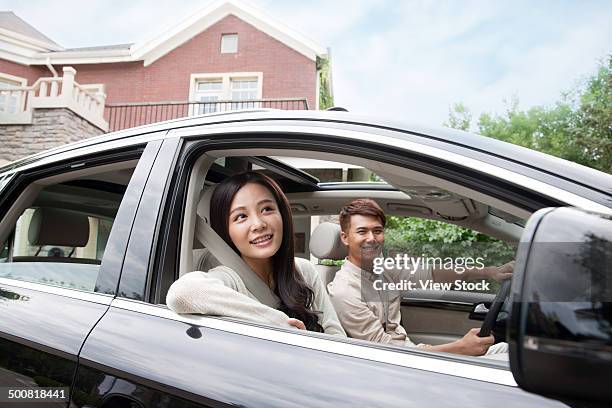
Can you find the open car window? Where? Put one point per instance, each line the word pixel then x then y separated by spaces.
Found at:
pixel 318 187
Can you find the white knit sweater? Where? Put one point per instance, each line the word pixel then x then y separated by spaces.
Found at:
pixel 221 292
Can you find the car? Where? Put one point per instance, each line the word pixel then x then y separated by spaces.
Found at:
pixel 94 233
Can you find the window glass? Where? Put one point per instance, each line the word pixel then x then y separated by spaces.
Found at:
pixel 61 237
pixel 244 89
pixel 229 43
pixel 208 91
pixel 219 92
pixel 215 85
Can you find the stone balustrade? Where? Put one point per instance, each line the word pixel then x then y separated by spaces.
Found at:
pixel 17 103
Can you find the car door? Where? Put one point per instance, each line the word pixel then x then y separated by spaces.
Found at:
pixel 51 298
pixel 142 354
pixel 110 372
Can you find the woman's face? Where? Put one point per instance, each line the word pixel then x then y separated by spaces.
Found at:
pixel 255 223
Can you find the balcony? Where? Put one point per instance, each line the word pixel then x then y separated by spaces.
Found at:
pixel 18 102
pixel 126 115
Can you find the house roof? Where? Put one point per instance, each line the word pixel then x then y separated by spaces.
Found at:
pixel 10 21
pixel 150 50
pixel 195 24
pixel 102 47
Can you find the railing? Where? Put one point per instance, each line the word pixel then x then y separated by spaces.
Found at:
pixel 16 103
pixel 126 115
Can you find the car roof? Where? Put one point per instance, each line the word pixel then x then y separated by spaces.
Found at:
pixel 489 146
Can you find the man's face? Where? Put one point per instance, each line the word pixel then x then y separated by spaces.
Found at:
pixel 365 238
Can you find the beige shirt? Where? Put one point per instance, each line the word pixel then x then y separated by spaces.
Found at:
pixel 320 305
pixel 364 312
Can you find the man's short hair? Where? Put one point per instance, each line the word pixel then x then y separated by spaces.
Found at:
pixel 361 206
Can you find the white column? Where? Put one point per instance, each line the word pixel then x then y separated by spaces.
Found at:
pixel 100 99
pixel 68 83
pixel 43 90
pixel 53 92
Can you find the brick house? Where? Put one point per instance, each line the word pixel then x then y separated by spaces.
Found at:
pixel 227 56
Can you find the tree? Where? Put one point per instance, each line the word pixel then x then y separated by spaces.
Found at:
pixel 459 117
pixel 577 128
pixel 326 99
pixel 594 118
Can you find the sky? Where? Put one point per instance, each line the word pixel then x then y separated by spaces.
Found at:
pixel 408 60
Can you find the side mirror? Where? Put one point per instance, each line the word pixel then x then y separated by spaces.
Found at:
pixel 560 325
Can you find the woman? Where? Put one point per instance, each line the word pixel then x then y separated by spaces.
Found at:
pixel 252 215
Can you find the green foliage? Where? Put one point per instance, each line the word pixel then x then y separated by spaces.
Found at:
pixel 577 128
pixel 418 237
pixel 594 118
pixel 326 99
pixel 459 117
pixel 331 262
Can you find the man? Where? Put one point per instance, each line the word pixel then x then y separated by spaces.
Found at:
pixel 371 314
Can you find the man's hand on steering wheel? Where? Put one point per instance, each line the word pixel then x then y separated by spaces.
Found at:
pixel 491 318
pixel 501 273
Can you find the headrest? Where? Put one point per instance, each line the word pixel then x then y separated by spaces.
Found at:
pixel 204 204
pixel 52 226
pixel 325 242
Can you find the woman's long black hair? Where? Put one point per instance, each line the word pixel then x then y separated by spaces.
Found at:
pixel 296 297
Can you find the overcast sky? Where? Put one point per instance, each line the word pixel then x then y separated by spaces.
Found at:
pixel 407 59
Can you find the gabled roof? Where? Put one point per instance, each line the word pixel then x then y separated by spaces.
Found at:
pixel 147 51
pixel 102 47
pixel 10 21
pixel 167 41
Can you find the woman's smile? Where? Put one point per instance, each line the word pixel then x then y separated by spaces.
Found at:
pixel 263 240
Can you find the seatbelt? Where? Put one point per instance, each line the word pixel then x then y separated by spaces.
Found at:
pixel 385 303
pixel 211 240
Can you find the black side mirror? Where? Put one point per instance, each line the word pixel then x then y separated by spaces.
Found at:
pixel 560 326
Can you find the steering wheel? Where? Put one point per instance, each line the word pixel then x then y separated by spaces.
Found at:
pixel 496 306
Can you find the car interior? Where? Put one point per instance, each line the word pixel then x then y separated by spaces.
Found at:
pixel 62 220
pixel 400 192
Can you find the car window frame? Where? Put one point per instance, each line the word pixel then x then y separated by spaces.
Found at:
pixel 454 157
pixel 110 266
pixel 197 142
pixel 136 279
pixel 242 143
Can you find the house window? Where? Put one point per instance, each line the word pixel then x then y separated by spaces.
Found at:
pixel 220 92
pixel 229 43
pixel 209 90
pixel 243 89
